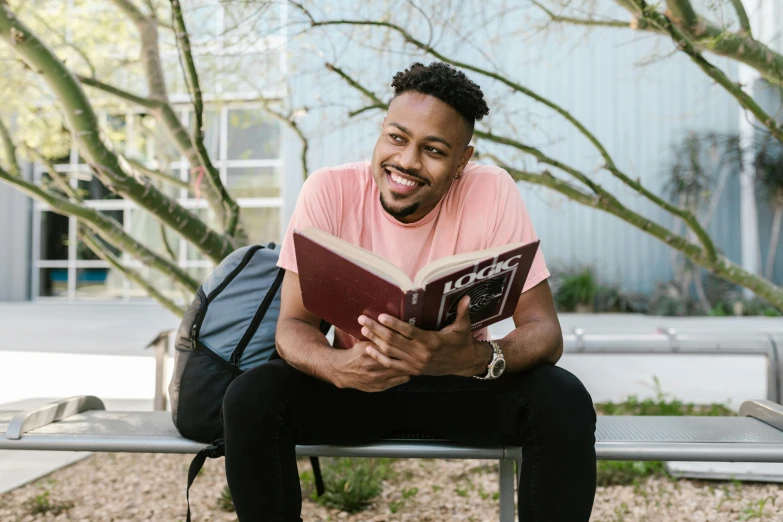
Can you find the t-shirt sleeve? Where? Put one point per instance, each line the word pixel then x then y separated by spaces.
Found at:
pixel 315 207
pixel 512 224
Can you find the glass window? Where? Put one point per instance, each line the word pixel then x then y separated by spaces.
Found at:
pixel 254 182
pixel 54 236
pixel 252 135
pixel 115 130
pixel 193 253
pixel 90 187
pixel 53 282
pixel 96 283
pixel 261 224
pixel 147 230
pixel 84 253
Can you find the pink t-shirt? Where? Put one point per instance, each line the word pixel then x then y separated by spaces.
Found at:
pixel 481 210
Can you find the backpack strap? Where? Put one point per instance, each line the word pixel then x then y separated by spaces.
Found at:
pixel 213 451
pixel 236 355
pixel 319 479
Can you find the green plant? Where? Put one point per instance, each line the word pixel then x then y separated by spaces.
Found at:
pixel 225 503
pixel 42 504
pixel 614 300
pixel 574 289
pixel 755 509
pixel 351 484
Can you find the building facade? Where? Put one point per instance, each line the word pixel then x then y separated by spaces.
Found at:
pixel 639 101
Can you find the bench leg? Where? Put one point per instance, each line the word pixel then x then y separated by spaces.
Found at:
pixel 507 491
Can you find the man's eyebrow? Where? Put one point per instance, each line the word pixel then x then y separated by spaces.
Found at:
pixel 426 138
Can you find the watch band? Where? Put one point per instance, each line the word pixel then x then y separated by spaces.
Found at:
pixel 497 354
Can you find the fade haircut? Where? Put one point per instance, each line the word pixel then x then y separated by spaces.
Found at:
pixel 447 84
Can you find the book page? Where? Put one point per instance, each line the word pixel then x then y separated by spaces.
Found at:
pixel 360 256
pixel 450 264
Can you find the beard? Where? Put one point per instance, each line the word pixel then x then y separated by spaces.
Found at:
pixel 398 213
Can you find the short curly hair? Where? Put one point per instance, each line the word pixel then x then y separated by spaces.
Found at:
pixel 446 83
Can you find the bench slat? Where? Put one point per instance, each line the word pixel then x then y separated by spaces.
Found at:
pixel 618 438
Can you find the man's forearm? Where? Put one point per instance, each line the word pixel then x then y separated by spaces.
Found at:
pixel 533 343
pixel 305 348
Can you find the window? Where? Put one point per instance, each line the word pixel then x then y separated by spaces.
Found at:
pixel 232 41
pixel 245 147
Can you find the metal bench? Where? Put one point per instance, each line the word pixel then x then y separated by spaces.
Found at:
pixel 82 424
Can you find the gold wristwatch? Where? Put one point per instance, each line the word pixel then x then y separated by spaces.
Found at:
pixel 497 365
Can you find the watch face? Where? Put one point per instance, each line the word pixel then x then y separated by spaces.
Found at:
pixel 498 368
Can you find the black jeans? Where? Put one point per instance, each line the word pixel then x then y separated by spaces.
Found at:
pixel 267 411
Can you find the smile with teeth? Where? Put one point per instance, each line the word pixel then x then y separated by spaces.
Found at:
pixel 402 181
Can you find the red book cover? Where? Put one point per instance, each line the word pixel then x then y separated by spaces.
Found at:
pixel 339 289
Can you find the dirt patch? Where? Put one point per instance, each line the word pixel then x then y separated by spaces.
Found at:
pixel 143 487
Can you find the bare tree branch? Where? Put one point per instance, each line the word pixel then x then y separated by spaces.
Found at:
pixel 156 174
pixel 150 55
pixel 601 199
pixel 590 22
pixel 89 238
pixel 707 36
pixel 742 15
pixel 722 266
pixel 635 184
pixel 214 191
pixel 194 88
pixel 166 244
pixel 64 41
pixel 734 89
pixel 58 178
pixel 10 150
pixel 105 225
pixel 83 123
pixel 148 103
pixel 290 120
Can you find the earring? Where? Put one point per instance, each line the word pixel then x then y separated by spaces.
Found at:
pixel 458 176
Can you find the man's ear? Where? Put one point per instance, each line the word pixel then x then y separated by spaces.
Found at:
pixel 463 161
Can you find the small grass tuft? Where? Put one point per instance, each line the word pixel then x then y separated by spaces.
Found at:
pixel 351 484
pixel 225 503
pixel 41 504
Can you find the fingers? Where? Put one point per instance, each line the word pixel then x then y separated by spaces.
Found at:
pixel 390 342
pixel 388 362
pixel 406 330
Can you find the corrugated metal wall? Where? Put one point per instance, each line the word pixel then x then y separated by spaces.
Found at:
pixel 626 88
pixel 14 245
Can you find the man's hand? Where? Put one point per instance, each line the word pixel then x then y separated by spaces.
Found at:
pixel 409 350
pixel 360 371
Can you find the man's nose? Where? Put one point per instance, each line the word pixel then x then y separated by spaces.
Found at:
pixel 409 158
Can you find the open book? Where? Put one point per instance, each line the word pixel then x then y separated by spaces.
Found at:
pixel 341 281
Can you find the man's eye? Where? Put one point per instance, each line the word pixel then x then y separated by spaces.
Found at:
pixel 434 150
pixel 395 137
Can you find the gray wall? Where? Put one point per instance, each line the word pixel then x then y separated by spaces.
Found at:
pixel 639 111
pixel 15 264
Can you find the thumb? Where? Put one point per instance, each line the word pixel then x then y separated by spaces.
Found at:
pixel 462 321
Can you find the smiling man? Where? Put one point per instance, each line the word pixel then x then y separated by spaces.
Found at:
pixel 417 200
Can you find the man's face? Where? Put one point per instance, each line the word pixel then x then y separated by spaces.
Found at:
pixel 423 145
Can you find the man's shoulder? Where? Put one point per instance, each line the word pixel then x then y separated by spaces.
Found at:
pixel 483 182
pixel 480 173
pixel 349 173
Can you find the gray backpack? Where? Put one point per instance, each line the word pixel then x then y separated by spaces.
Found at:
pixel 228 328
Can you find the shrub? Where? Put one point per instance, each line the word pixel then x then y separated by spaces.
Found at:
pixel 351 484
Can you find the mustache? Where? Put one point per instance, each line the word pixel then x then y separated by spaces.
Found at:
pixel 408 172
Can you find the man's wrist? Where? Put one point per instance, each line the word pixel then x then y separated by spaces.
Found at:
pixel 483 356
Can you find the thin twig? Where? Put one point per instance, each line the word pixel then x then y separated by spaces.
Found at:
pixel 90 239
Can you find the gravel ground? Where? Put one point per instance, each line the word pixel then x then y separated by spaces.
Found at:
pixel 140 487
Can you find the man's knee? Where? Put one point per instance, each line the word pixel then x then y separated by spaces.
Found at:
pixel 259 391
pixel 560 405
